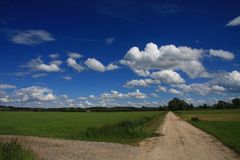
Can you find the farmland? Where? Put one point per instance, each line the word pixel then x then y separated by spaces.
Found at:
pixel 223 124
pixel 122 127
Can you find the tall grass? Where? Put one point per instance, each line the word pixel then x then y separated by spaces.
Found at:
pixel 124 131
pixel 14 151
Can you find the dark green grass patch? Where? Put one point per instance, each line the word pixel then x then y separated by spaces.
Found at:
pixel 222 124
pixel 13 151
pixel 226 131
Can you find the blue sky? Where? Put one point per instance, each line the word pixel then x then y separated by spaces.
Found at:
pixel 118 53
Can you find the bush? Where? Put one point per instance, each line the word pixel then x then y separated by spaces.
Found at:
pixel 195 119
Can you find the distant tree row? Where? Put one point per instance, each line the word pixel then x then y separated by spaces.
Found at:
pixel 174 104
pixel 177 104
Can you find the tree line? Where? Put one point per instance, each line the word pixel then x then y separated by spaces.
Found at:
pixel 177 104
pixel 174 104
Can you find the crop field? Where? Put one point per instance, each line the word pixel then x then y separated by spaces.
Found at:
pixel 223 124
pixel 122 127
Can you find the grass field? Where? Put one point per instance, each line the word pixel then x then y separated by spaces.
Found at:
pixel 223 124
pixel 122 127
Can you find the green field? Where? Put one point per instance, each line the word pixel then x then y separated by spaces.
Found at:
pixel 223 124
pixel 122 127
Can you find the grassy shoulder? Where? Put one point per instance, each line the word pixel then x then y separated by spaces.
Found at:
pixel 226 131
pixel 14 151
pixel 127 132
pixel 222 124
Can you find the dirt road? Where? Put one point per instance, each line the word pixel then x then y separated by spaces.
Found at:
pixel 180 141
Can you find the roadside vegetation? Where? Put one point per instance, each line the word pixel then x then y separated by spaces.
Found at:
pixel 14 151
pixel 223 124
pixel 121 127
pixel 125 131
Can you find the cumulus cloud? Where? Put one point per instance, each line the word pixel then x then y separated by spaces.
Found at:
pixel 39 65
pixel 201 88
pixel 74 55
pixel 4 98
pixel 96 65
pixel 174 91
pixel 167 57
pixel 53 56
pixel 168 76
pixel 228 80
pixel 34 93
pixel 7 86
pixel 31 37
pixel 222 54
pixel 117 95
pixel 111 67
pixel 137 94
pixel 71 62
pixel 234 22
pixel 141 83
pixel 221 83
pixel 161 89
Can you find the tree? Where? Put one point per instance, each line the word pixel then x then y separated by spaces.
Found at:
pixel 236 102
pixel 222 105
pixel 177 104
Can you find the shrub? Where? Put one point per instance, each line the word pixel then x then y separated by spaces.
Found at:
pixel 195 119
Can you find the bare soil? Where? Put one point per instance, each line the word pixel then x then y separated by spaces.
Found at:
pixel 179 141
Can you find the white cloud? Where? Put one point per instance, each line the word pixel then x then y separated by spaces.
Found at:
pixel 39 75
pixel 109 40
pixel 174 91
pixel 7 86
pixel 31 37
pixel 117 95
pixel 154 95
pixel 48 67
pixel 67 78
pixel 228 80
pixel 141 83
pixel 137 94
pixel 161 89
pixel 111 67
pixel 168 76
pixel 71 62
pixel 201 88
pixel 92 96
pixel 4 98
pixel 94 64
pixel 234 22
pixel 38 65
pixel 74 55
pixel 53 56
pixel 34 93
pixel 218 89
pixel 82 98
pixel 222 54
pixel 167 57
